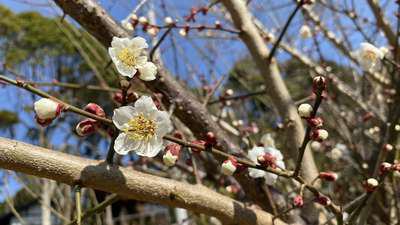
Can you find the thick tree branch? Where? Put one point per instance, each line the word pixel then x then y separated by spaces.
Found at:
pixel 188 108
pixel 73 170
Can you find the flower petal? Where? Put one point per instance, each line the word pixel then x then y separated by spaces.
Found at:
pixel 145 104
pixel 148 71
pixel 123 144
pixel 138 43
pixel 122 115
pixel 150 148
pixel 164 124
pixel 118 42
pixel 270 178
pixel 125 70
pixel 255 173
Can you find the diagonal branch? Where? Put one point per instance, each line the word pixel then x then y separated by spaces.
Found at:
pixel 73 170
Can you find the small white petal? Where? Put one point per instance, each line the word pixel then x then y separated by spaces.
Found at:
pixel 122 115
pixel 123 144
pixel 145 104
pixel 148 71
pixel 138 43
pixel 164 124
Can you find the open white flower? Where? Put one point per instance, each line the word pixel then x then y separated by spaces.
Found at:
pixel 142 128
pixel 129 56
pixel 369 57
pixel 253 154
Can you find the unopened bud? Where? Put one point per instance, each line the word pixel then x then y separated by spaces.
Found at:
pixel 169 21
pixel 305 110
pixel 298 201
pixel 210 138
pixel 152 30
pixel 143 20
pixel 86 127
pixel 328 176
pixel 371 184
pixel 319 135
pixel 229 92
pixel 315 122
pixel 171 155
pixel 388 147
pixel 267 159
pixel 118 97
pixel 218 24
pixel 323 200
pixel 385 167
pixel 95 109
pixel 229 166
pixel 46 110
pixel 183 31
pixel 319 84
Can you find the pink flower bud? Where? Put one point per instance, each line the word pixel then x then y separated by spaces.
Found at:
pixel 328 176
pixel 175 149
pixel 298 201
pixel 46 110
pixel 316 122
pixel 95 109
pixel 267 159
pixel 229 166
pixel 371 184
pixel 86 127
pixel 319 135
pixel 323 200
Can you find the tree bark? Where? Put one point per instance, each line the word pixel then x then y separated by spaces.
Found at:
pixel 73 170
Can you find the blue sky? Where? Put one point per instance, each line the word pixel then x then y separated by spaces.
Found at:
pixel 227 53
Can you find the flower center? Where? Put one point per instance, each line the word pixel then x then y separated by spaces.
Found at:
pixel 127 57
pixel 370 55
pixel 140 128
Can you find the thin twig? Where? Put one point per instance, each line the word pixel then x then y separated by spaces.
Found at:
pixel 277 43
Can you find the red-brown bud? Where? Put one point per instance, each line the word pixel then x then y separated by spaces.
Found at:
pixel 328 176
pixel 95 109
pixel 385 167
pixel 211 139
pixel 86 127
pixel 267 159
pixel 319 84
pixel 298 201
pixel 323 200
pixel 316 122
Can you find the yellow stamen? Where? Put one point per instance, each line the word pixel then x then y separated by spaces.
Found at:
pixel 140 128
pixel 370 55
pixel 127 57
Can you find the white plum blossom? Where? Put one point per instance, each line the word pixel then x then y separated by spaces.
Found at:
pixel 369 57
pixel 305 32
pixel 142 128
pixel 253 154
pixel 129 56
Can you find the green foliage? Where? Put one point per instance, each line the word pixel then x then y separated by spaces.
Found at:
pixel 8 118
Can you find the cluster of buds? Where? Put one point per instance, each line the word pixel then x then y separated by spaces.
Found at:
pixel 371 184
pixel 89 126
pixel 307 112
pixel 171 155
pixel 267 160
pixel 298 201
pixel 46 111
pixel 132 21
pixel 386 167
pixel 194 11
pixel 129 98
pixel 328 176
pixel 229 166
